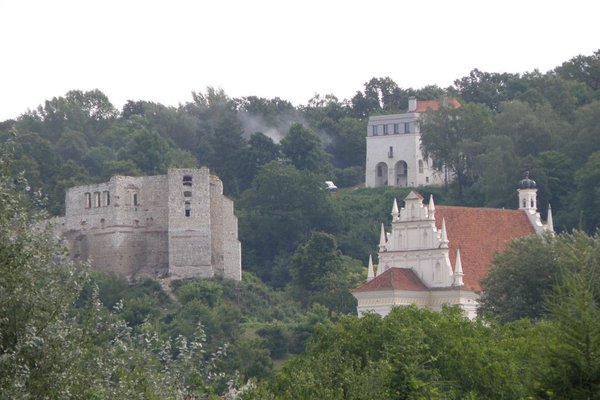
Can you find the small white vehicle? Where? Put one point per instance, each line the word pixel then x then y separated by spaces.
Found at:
pixel 330 187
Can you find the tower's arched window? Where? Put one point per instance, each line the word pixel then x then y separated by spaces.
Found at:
pixel 187 180
pixel 188 209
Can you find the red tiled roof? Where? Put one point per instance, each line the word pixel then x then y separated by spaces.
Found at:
pixel 394 279
pixel 424 105
pixel 479 233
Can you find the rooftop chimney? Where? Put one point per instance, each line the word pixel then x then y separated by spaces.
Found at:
pixel 412 104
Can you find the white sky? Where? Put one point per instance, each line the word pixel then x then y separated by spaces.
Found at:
pixel 162 50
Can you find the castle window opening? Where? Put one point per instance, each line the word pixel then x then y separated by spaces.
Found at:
pixel 136 200
pixel 96 199
pixel 187 194
pixel 87 200
pixel 188 209
pixel 187 180
pixel 106 196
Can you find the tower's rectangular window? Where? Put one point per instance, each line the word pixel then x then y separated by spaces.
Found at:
pixel 136 200
pixel 187 180
pixel 375 130
pixel 106 196
pixel 385 129
pixel 420 166
pixel 396 128
pixel 391 152
pixel 87 200
pixel 188 209
pixel 96 199
pixel 407 127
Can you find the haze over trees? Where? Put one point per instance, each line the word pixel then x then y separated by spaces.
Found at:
pixel 304 247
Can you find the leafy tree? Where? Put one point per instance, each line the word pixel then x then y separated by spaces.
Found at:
pixel 573 338
pixel 321 274
pixel 583 68
pixel 279 212
pixel 451 137
pixel 488 88
pixel 520 279
pixel 588 192
pixel 148 151
pixel 303 148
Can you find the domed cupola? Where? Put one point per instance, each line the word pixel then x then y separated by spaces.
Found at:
pixel 527 183
pixel 527 194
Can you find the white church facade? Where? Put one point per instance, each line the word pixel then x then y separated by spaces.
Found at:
pixel 394 155
pixel 436 255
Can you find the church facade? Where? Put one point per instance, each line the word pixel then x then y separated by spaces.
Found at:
pixel 178 225
pixel 436 255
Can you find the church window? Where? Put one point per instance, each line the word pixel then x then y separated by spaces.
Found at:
pixel 87 200
pixel 420 166
pixel 187 180
pixel 532 204
pixel 437 272
pixel 524 203
pixel 96 199
pixel 188 209
pixel 106 198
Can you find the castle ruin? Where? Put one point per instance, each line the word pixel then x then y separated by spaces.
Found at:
pixel 177 225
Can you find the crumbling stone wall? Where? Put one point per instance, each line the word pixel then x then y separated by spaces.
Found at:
pixel 155 226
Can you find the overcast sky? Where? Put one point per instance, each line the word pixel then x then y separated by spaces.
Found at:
pixel 162 50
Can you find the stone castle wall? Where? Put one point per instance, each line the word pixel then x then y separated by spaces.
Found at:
pixel 154 226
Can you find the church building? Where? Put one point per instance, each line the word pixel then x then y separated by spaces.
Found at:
pixel 436 255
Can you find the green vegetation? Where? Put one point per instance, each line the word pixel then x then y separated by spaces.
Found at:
pixel 67 332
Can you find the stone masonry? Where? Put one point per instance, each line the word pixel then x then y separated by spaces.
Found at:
pixel 177 225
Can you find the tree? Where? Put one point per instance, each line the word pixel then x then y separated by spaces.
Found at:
pixel 520 279
pixel 588 192
pixel 321 274
pixel 572 347
pixel 488 88
pixel 582 68
pixel 451 137
pixel 304 150
pixel 278 213
pixel 148 151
